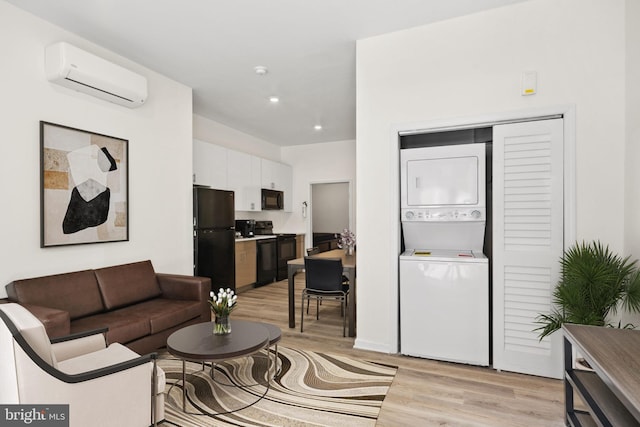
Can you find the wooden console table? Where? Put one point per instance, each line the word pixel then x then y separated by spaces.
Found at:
pixel 612 390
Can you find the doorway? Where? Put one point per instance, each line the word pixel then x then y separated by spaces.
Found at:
pixel 330 213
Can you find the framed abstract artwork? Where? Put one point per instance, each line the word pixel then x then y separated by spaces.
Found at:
pixel 84 187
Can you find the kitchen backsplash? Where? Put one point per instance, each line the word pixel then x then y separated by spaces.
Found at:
pixel 282 221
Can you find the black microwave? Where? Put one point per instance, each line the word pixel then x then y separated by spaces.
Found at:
pixel 272 199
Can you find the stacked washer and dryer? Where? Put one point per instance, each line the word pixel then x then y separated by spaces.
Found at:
pixel 444 274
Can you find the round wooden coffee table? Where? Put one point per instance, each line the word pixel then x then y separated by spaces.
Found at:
pixel 197 343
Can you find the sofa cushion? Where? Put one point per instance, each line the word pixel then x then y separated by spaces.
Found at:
pixel 127 284
pixel 122 326
pixel 76 293
pixel 164 313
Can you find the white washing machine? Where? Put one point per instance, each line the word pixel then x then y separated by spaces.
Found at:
pixel 444 300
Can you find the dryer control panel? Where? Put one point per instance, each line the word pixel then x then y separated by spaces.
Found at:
pixel 443 214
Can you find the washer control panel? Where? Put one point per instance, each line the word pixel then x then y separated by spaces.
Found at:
pixel 443 214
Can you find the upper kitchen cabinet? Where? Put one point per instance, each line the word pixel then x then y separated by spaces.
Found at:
pixel 244 177
pixel 287 187
pixel 209 165
pixel 278 176
pixel 275 175
pixel 225 169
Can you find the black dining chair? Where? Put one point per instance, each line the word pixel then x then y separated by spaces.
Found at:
pixel 323 280
pixel 312 251
pixel 316 250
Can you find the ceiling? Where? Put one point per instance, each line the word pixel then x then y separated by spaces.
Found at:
pixel 213 46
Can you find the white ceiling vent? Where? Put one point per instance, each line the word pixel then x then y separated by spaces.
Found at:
pixel 85 72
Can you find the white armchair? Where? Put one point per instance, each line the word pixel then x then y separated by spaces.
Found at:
pixel 103 385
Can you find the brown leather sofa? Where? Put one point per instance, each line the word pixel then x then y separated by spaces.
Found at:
pixel 140 307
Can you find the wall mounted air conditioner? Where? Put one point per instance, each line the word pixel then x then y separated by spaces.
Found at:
pixel 85 72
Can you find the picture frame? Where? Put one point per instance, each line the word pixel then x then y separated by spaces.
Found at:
pixel 84 187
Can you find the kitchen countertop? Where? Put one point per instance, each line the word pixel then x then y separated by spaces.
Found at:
pixel 260 237
pixel 247 239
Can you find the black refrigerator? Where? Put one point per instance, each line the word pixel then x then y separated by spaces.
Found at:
pixel 214 236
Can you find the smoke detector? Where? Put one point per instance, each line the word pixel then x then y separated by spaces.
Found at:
pixel 260 70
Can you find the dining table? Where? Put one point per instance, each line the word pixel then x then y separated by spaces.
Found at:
pixel 349 271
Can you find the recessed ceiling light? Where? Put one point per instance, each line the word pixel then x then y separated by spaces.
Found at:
pixel 260 70
pixel 274 99
pixel 317 127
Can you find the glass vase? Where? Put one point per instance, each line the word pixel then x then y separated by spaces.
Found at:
pixel 222 325
pixel 349 250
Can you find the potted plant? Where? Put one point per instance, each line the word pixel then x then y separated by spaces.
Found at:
pixel 594 283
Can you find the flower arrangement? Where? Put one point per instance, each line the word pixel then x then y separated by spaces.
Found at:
pixel 347 239
pixel 222 305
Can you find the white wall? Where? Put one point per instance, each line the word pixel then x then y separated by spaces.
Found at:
pixel 472 66
pixel 632 188
pixel 159 134
pixel 318 163
pixel 330 207
pixel 216 133
pixel 632 171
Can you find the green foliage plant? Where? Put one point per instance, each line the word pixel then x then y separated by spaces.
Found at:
pixel 594 283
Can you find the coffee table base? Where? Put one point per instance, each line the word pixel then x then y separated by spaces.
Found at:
pixel 266 384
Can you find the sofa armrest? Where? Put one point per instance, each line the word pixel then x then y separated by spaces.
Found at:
pixel 177 286
pixel 56 322
pixel 193 288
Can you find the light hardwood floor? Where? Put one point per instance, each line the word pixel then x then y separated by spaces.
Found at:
pixel 424 392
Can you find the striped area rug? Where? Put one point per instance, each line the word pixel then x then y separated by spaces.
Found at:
pixel 310 389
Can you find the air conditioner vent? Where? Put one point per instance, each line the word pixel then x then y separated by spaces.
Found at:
pixel 85 72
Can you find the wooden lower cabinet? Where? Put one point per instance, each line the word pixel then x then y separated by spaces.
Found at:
pixel 301 251
pixel 246 268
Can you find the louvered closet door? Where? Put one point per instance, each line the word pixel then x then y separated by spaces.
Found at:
pixel 528 243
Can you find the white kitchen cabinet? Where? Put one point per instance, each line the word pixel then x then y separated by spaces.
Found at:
pixel 287 186
pixel 267 171
pixel 278 176
pixel 224 169
pixel 244 178
pixel 209 165
pixel 275 176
